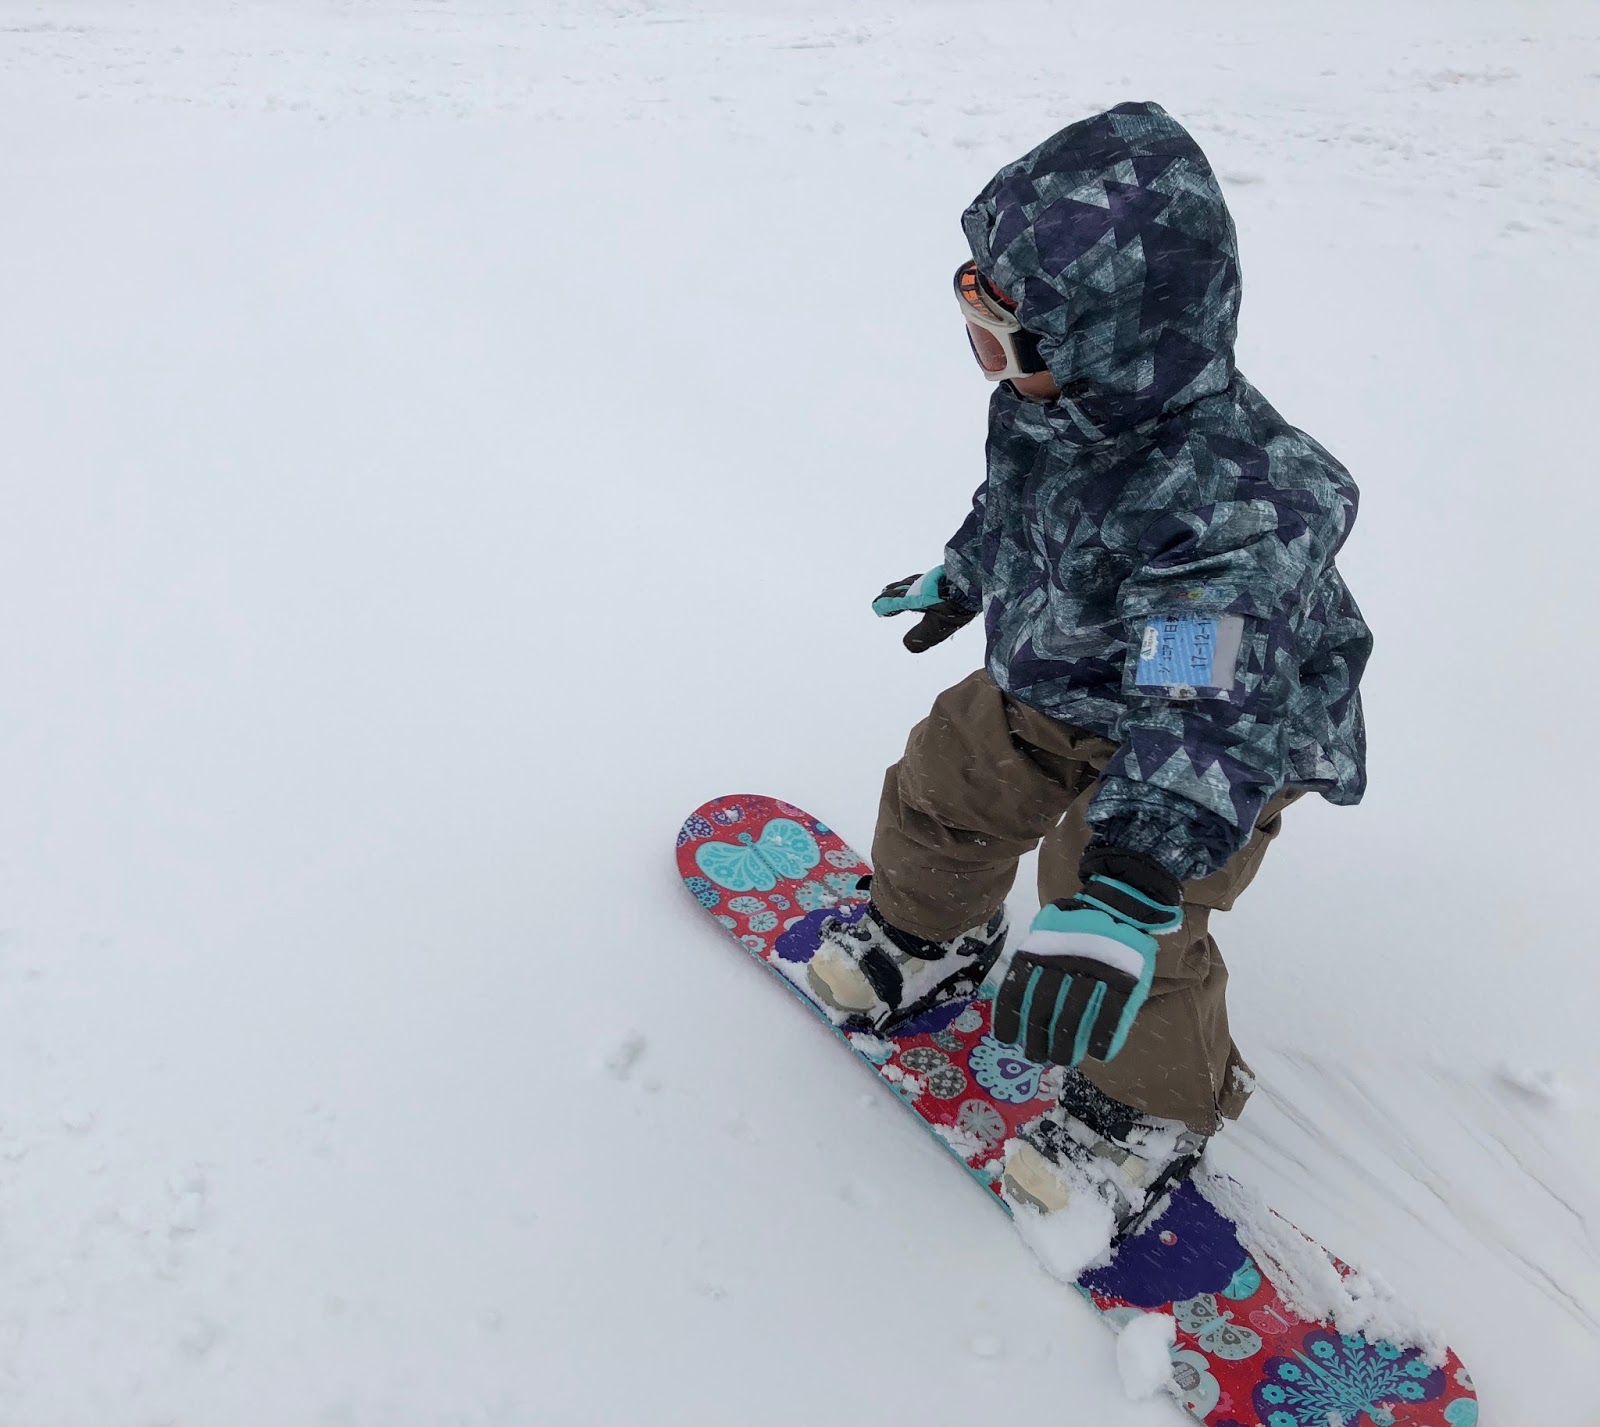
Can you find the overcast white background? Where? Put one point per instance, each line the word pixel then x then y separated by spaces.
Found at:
pixel 443 443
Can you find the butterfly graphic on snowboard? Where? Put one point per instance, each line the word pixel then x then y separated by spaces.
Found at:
pixel 1217 1332
pixel 784 850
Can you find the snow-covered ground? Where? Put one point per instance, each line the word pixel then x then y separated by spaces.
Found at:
pixel 444 442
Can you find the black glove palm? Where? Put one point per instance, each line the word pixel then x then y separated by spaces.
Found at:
pixel 930 596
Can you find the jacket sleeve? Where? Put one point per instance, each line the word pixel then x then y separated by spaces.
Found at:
pixel 963 564
pixel 1194 766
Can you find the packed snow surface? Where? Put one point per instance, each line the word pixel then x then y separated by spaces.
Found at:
pixel 1144 1347
pixel 1071 1240
pixel 446 442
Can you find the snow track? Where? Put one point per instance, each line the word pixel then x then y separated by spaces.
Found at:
pixel 1428 1166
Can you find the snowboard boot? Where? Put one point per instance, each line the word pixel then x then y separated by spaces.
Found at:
pixel 1090 1141
pixel 879 976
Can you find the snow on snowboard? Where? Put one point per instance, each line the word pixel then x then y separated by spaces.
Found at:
pixel 1271 1330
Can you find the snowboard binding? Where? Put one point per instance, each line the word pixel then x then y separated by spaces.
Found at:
pixel 879 978
pixel 1091 1143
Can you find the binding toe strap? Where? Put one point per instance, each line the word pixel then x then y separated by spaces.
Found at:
pixel 882 975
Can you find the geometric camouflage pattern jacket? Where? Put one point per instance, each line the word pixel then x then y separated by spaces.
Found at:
pixel 1159 493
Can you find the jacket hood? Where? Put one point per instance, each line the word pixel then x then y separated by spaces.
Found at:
pixel 1113 238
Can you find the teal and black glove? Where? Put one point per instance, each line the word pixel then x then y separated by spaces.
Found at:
pixel 1084 969
pixel 930 596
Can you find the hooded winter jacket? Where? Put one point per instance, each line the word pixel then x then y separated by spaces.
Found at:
pixel 1160 501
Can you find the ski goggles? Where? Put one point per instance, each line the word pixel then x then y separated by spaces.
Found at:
pixel 998 341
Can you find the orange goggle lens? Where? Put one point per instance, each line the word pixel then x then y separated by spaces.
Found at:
pixel 987 348
pixel 998 341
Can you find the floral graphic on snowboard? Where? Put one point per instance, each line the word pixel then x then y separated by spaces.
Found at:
pixel 1342 1376
pixel 1004 1073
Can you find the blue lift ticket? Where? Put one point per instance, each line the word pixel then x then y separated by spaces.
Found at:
pixel 1186 655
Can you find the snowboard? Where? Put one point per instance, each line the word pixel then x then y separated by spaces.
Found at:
pixel 769 873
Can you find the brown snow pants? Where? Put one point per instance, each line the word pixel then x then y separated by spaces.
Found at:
pixel 984 779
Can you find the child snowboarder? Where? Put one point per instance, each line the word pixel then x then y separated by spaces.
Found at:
pixel 1172 658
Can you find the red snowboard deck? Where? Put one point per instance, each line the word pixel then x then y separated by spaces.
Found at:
pixel 769 873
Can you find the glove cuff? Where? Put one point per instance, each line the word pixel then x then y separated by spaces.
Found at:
pixel 951 594
pixel 1131 888
pixel 1143 874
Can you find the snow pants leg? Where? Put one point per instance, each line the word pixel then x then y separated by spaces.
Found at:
pixel 986 779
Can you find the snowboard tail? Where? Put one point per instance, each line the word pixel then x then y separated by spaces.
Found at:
pixel 770 873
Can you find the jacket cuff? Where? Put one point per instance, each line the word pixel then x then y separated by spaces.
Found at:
pixel 952 592
pixel 1183 839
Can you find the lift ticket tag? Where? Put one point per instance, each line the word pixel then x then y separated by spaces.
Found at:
pixel 1187 656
